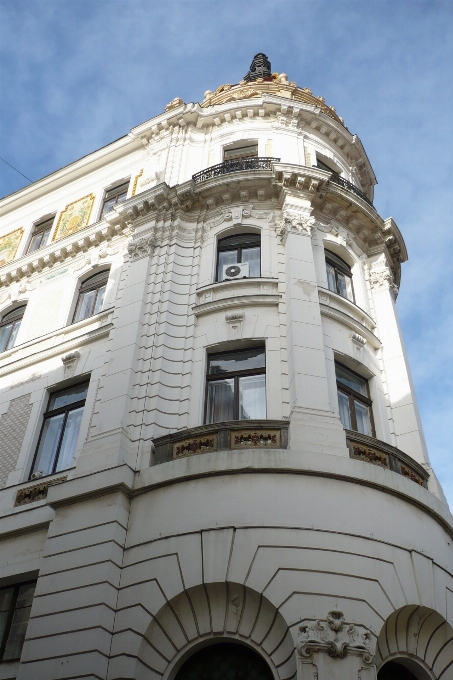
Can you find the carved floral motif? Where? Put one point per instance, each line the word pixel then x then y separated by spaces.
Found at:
pixel 370 455
pixel 410 474
pixel 381 278
pixel 35 493
pixel 296 222
pixel 258 439
pixel 335 637
pixel 141 247
pixel 190 447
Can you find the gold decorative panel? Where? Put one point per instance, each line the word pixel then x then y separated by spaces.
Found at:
pixel 190 447
pixel 255 439
pixel 370 455
pixel 9 243
pixel 407 472
pixel 74 217
pixel 36 493
pixel 137 177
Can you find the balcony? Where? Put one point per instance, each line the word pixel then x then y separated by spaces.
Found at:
pixel 235 165
pixel 232 435
pixel 346 184
pixel 371 450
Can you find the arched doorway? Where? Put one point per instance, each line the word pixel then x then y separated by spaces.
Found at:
pixel 225 661
pixel 395 671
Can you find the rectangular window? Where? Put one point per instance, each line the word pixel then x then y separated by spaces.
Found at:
pixel 40 234
pixel 245 151
pixel 339 276
pixel 354 401
pixel 15 606
pixel 60 430
pixel 236 386
pixel 113 197
pixel 237 249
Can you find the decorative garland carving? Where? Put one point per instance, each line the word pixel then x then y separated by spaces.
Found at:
pixel 141 247
pixel 190 447
pixel 335 637
pixel 259 439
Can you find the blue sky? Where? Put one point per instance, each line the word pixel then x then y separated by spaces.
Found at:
pixel 77 74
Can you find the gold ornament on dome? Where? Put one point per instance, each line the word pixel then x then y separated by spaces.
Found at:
pixel 277 85
pixel 74 217
pixel 177 101
pixel 9 243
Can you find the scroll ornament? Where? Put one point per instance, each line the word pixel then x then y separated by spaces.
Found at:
pixel 335 637
pixel 296 222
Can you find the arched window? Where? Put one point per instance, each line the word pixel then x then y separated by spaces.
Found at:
pixel 91 296
pixel 395 671
pixel 9 327
pixel 225 661
pixel 239 249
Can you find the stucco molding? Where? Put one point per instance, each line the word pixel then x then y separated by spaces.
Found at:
pixel 140 247
pixel 335 637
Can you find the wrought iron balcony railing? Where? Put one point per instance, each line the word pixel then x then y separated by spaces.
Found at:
pixel 346 184
pixel 235 165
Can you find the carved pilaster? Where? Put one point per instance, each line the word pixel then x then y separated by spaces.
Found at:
pixel 294 221
pixel 335 637
pixel 381 278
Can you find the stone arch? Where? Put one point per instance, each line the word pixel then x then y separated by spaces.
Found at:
pixel 417 636
pixel 227 611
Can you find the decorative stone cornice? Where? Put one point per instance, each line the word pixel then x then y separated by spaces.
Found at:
pixel 335 637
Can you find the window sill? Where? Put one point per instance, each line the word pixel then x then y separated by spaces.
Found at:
pixel 54 343
pixel 259 291
pixel 349 314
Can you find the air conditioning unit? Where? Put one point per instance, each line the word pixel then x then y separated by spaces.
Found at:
pixel 235 271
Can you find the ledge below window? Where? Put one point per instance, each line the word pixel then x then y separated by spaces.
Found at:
pixel 371 450
pixel 236 293
pixel 232 435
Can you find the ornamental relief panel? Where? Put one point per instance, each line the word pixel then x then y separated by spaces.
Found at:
pixel 234 215
pixel 335 637
pixel 74 217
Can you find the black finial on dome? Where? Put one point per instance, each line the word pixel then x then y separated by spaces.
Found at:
pixel 259 68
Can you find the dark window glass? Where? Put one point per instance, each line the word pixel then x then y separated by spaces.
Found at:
pixel 15 605
pixel 91 296
pixel 339 276
pixel 40 234
pixel 9 328
pixel 354 401
pixel 323 166
pixel 225 661
pixel 246 151
pixel 237 249
pixel 60 430
pixel 114 196
pixel 395 671
pixel 236 386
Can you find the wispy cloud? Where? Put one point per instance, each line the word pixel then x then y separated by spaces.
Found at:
pixel 78 74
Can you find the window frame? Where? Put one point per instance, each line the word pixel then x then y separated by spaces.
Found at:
pixel 354 395
pixel 341 265
pixel 236 375
pixel 9 620
pixel 13 321
pixel 86 287
pixel 239 146
pixel 52 414
pixel 110 193
pixel 40 227
pixel 224 248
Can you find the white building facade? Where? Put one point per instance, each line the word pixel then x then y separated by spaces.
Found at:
pixel 211 456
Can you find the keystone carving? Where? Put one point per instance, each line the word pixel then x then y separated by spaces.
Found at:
pixel 335 637
pixel 141 247
pixel 69 362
